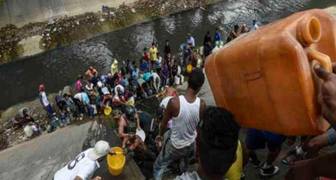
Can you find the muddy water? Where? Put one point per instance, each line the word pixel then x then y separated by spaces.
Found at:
pixel 59 67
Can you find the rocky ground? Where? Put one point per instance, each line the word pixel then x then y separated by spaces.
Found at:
pixel 65 30
pixel 11 136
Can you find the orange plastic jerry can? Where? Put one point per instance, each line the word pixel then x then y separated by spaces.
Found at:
pixel 265 77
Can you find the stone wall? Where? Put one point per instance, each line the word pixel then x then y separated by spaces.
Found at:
pixel 20 12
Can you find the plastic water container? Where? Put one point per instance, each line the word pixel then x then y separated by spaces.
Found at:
pixel 116 162
pixel 265 77
pixel 28 130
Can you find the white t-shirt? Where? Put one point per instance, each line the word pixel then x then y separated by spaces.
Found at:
pixel 121 88
pixel 105 91
pixel 179 70
pixel 156 80
pixel 44 99
pixel 82 166
pixel 78 96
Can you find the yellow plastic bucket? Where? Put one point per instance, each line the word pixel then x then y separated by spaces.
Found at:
pixel 116 162
pixel 131 102
pixel 189 68
pixel 107 110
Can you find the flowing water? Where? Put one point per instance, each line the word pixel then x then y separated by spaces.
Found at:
pixel 59 67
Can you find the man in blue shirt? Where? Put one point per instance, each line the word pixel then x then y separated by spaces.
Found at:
pixel 218 35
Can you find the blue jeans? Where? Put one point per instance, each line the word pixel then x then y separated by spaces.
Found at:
pixel 65 119
pixel 49 110
pixel 257 139
pixel 169 155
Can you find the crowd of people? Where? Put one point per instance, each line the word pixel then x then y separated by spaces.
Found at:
pixel 184 130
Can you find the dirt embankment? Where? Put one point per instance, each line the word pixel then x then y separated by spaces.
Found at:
pixel 16 42
pixel 9 134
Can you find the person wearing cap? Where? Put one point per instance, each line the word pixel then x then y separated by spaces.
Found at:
pixel 129 130
pixel 83 166
pixel 220 152
pixel 44 100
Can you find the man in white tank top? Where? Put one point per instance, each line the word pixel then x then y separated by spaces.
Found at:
pixel 185 112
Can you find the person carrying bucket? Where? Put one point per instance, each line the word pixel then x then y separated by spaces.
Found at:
pixel 83 166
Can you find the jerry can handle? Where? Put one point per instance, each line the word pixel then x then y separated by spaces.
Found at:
pixel 309 31
pixel 322 59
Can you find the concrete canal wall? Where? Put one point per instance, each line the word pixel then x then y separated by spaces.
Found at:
pixel 20 12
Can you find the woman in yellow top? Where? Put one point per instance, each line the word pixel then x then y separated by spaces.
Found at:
pixel 153 53
pixel 236 169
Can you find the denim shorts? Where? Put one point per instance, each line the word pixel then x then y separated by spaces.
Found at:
pixel 257 139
